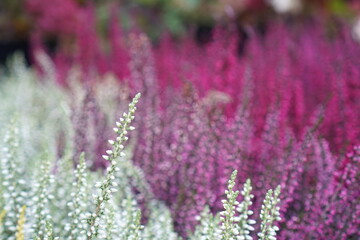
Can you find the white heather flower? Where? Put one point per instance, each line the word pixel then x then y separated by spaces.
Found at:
pixel 243 208
pixel 106 187
pixel 227 216
pixel 269 214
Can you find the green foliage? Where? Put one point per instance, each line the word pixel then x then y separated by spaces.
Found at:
pixel 340 8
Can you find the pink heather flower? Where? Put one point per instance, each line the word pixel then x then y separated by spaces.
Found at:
pixel 282 113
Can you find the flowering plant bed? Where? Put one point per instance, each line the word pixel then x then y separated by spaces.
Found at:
pixel 274 114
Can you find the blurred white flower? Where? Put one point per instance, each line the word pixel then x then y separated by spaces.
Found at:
pixel 286 6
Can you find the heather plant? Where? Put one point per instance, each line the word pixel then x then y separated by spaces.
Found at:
pixel 268 143
pixel 228 227
pixel 198 140
pixel 14 190
pixel 41 227
pixel 234 222
pixel 208 228
pixel 279 78
pixel 285 159
pixel 278 116
pixel 245 221
pixel 55 197
pixel 108 186
pixel 47 198
pixel 38 201
pixel 270 213
pixel 77 205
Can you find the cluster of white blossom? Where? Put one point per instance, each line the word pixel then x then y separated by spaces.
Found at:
pixel 270 213
pixel 208 229
pixel 236 223
pixel 14 189
pixel 109 185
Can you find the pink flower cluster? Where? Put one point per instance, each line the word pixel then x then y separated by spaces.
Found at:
pixel 284 112
pixel 58 17
pixel 190 138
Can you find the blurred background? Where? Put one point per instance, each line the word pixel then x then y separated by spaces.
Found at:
pixel 56 23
